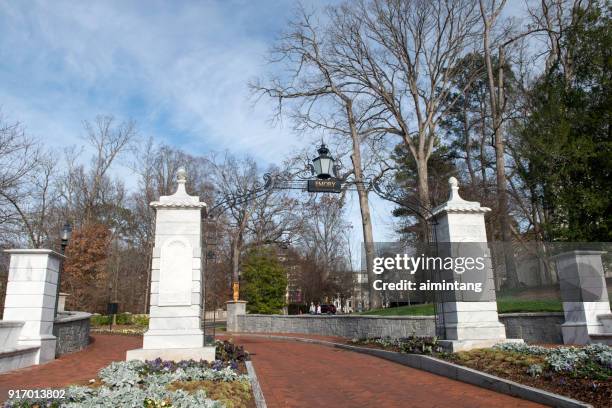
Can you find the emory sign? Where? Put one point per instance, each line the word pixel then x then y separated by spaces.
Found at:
pixel 324 186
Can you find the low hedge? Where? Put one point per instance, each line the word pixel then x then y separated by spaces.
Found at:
pixel 122 319
pixel 100 320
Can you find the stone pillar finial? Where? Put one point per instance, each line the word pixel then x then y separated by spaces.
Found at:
pixel 453 184
pixel 181 175
pixel 181 179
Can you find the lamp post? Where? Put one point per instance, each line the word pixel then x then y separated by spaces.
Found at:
pixel 65 236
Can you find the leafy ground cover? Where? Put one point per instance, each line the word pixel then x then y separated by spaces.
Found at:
pixel 158 383
pixel 411 345
pixel 583 373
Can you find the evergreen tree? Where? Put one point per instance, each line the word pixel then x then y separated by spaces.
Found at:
pixel 566 140
pixel 441 167
pixel 264 282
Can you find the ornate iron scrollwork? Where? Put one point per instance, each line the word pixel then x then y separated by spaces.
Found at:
pixel 259 189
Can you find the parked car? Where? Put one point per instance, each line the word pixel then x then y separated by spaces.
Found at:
pixel 328 309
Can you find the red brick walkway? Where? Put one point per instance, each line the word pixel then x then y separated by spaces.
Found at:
pixel 292 374
pixel 74 368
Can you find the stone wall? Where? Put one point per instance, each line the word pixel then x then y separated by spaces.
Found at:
pixel 533 327
pixel 72 332
pixel 350 326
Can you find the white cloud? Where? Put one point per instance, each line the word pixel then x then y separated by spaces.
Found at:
pixel 180 69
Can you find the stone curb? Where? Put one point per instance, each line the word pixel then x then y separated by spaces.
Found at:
pixel 72 316
pixel 450 370
pixel 260 401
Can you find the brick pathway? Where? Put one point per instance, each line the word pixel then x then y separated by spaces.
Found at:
pixel 74 368
pixel 292 375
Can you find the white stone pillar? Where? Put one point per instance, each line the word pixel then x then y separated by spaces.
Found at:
pixel 585 297
pixel 234 309
pixel 30 297
pixel 469 320
pixel 175 331
pixel 61 304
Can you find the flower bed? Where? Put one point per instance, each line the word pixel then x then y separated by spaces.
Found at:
pixel 152 384
pixel 123 329
pixel 583 373
pixel 412 344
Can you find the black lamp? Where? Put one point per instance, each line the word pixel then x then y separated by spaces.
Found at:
pixel 66 234
pixel 324 164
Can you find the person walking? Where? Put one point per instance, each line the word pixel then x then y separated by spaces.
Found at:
pixel 318 309
pixel 312 309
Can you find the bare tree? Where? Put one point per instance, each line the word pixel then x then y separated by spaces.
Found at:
pixel 552 18
pixel 109 140
pixel 322 255
pixel 27 191
pixel 314 82
pixel 404 55
pixel 234 179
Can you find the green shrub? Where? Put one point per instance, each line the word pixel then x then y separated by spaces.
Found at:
pixel 140 320
pixel 124 318
pixel 99 320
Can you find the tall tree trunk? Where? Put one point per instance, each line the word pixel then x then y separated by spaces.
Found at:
pixel 468 147
pixel 364 206
pixel 235 253
pixel 497 107
pixel 483 162
pixel 423 185
pixel 149 266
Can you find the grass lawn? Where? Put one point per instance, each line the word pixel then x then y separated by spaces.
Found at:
pixel 415 310
pixel 504 305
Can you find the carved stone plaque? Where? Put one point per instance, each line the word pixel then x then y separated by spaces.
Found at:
pixel 175 274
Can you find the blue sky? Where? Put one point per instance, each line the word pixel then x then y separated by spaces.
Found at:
pixel 178 68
